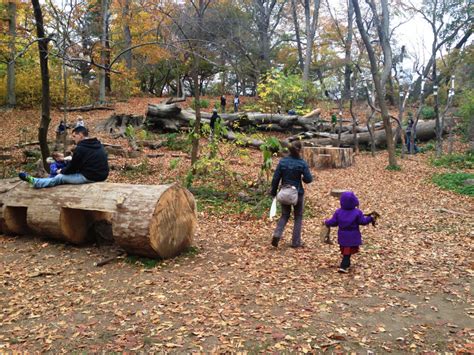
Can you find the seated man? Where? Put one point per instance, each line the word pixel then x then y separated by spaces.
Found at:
pixel 89 164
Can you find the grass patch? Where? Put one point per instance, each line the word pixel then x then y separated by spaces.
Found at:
pixel 454 182
pixel 177 142
pixel 393 168
pixel 455 161
pixel 147 263
pixel 220 202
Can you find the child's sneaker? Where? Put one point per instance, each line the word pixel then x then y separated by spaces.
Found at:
pixel 26 177
pixel 343 271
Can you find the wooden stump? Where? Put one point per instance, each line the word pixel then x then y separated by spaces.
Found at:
pixel 147 220
pixel 328 157
pixel 337 192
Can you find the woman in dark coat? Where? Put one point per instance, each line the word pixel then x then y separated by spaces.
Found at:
pixel 290 171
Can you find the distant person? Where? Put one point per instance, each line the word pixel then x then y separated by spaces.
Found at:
pixel 409 131
pixel 290 171
pixel 236 103
pixel 223 103
pixel 80 122
pixel 88 164
pixel 333 122
pixel 292 112
pixel 61 135
pixel 279 109
pixel 62 127
pixel 214 118
pixel 349 218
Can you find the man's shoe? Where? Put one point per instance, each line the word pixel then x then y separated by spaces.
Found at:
pixel 275 241
pixel 297 246
pixel 343 271
pixel 26 177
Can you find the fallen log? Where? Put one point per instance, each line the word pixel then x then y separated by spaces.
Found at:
pixel 170 117
pixel 87 108
pixel 425 131
pixel 147 220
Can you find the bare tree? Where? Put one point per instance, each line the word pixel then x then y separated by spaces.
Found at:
pixel 11 100
pixel 379 79
pixel 104 9
pixel 311 13
pixel 45 97
pixel 294 13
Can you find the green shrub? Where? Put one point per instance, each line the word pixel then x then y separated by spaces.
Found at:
pixel 466 111
pixel 454 182
pixel 429 146
pixel 204 103
pixel 455 161
pixel 428 112
pixel 286 90
pixel 175 141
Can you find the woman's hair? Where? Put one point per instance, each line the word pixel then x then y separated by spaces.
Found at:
pixel 295 149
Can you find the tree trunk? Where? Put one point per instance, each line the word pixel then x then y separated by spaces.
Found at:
pixel 348 50
pixel 147 220
pixel 297 34
pixel 379 80
pixel 11 100
pixel 311 24
pixel 328 157
pixel 127 36
pixel 103 54
pixel 45 99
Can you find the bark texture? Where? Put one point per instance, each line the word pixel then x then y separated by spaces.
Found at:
pixel 147 220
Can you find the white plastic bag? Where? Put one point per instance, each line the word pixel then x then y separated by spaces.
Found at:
pixel 273 209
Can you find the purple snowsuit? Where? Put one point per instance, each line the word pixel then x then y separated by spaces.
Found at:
pixel 348 218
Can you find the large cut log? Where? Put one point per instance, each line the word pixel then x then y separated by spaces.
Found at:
pixel 147 220
pixel 425 131
pixel 328 157
pixel 171 118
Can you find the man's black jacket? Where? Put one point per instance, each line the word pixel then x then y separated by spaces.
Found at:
pixel 90 160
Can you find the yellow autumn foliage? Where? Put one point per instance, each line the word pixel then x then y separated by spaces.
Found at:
pixel 28 89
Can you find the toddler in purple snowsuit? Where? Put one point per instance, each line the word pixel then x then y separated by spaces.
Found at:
pixel 348 218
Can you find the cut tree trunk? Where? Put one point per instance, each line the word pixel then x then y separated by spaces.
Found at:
pixel 87 108
pixel 147 220
pixel 328 157
pixel 425 130
pixel 170 117
pixel 117 124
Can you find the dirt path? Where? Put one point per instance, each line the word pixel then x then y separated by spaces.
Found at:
pixel 410 288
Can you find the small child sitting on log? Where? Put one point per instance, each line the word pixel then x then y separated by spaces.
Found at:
pixel 57 162
pixel 349 218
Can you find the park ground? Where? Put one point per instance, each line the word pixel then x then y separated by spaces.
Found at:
pixel 410 289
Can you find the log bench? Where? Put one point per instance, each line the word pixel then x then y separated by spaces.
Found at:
pixel 146 220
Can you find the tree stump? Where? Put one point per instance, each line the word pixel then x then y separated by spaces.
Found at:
pixel 328 157
pixel 337 192
pixel 147 220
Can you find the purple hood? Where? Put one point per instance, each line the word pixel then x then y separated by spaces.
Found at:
pixel 349 200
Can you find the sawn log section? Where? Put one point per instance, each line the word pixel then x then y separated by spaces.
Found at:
pixel 147 220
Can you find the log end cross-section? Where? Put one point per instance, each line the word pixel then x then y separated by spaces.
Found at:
pixel 146 220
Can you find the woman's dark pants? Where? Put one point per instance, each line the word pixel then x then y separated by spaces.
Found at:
pixel 285 216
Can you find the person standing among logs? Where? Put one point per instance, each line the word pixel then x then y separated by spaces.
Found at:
pixel 88 164
pixel 291 170
pixel 223 103
pixel 236 103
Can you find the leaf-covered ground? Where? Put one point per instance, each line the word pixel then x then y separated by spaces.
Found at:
pixel 410 288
